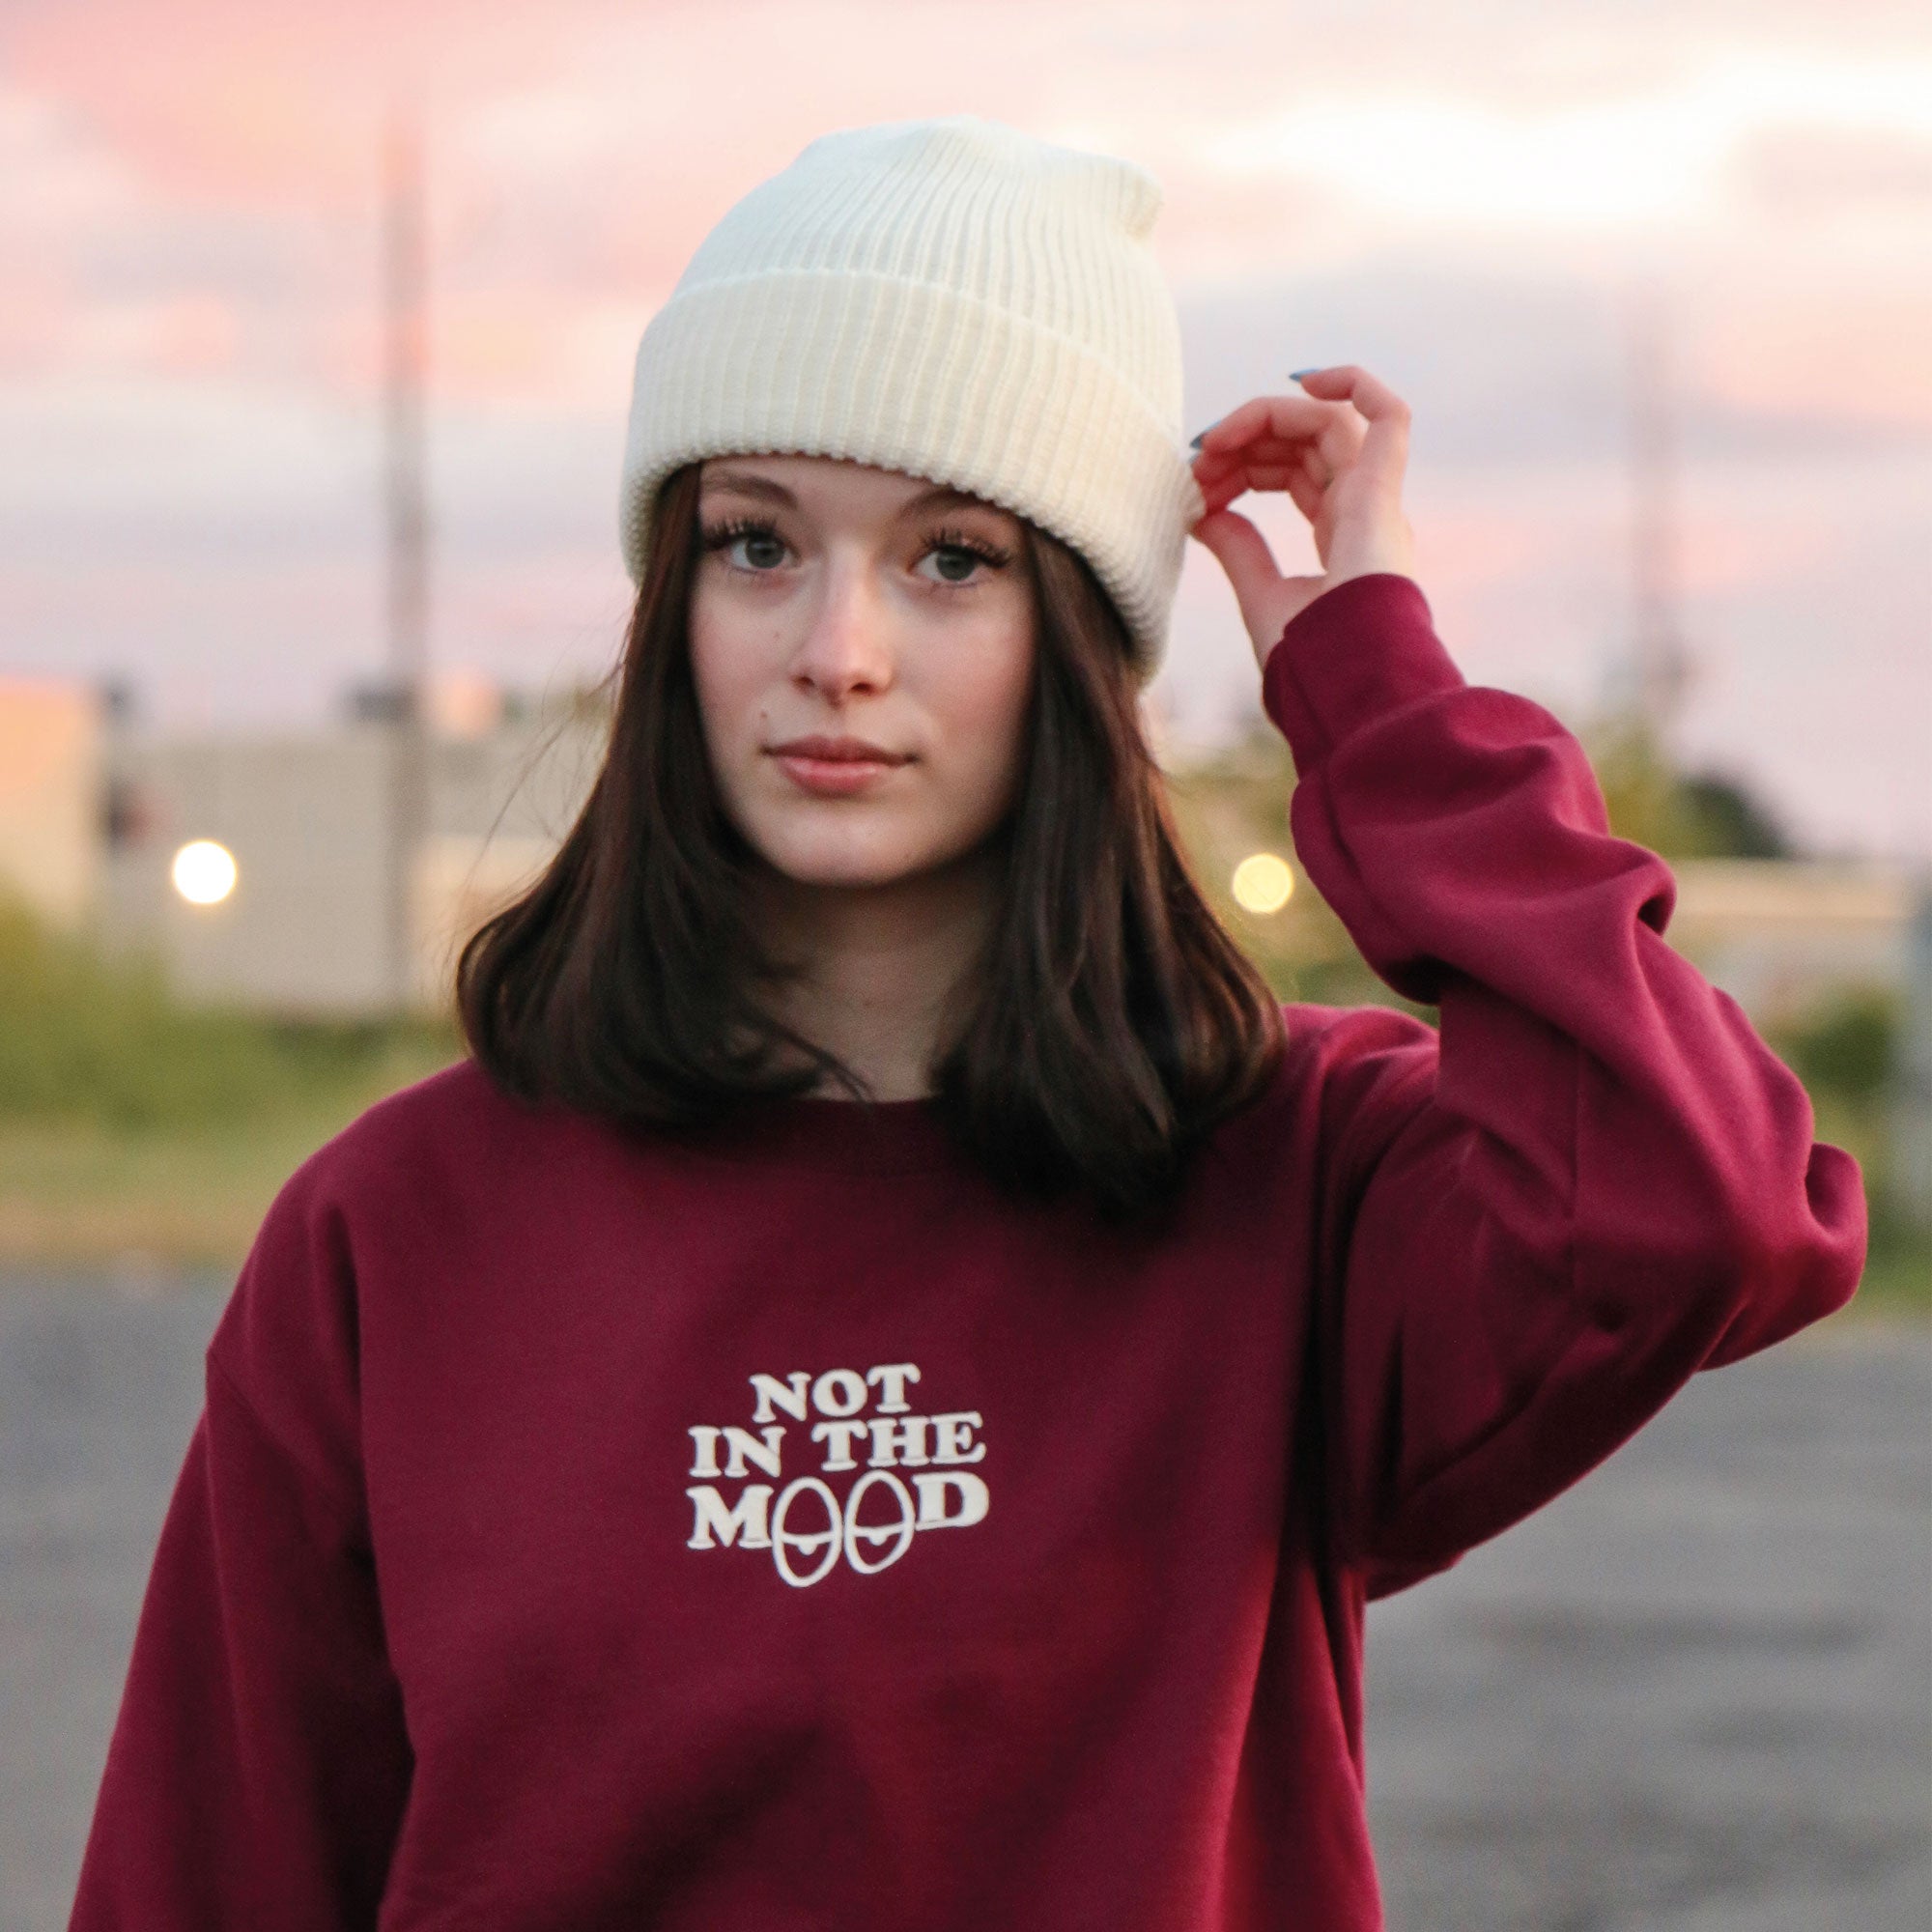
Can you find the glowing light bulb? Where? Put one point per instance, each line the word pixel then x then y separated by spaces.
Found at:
pixel 204 872
pixel 1263 883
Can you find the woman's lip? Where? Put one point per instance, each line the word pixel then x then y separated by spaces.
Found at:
pixel 833 778
pixel 831 748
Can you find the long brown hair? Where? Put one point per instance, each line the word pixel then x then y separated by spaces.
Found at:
pixel 1112 1022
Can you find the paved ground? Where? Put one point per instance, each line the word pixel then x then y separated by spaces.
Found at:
pixel 1693 1694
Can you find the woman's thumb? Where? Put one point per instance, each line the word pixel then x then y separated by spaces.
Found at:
pixel 1244 554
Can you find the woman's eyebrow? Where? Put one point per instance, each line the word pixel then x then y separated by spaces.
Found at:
pixel 739 484
pixel 942 496
pixel 719 482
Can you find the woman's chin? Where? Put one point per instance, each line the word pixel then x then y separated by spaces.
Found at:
pixel 854 879
pixel 856 868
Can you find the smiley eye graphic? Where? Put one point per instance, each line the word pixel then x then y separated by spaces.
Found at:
pixel 785 1539
pixel 898 1532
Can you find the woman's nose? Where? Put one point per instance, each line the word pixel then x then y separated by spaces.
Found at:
pixel 848 644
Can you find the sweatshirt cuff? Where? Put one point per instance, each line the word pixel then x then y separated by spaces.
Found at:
pixel 1360 651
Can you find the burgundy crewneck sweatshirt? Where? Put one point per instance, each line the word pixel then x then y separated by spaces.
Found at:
pixel 587 1532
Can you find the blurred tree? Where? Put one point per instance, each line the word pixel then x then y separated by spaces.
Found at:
pixel 1235 802
pixel 1678 816
pixel 1848 1049
pixel 1846 1046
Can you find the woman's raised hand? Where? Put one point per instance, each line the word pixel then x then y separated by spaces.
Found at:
pixel 1338 450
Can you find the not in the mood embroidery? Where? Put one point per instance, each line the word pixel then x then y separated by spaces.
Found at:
pixel 864 1430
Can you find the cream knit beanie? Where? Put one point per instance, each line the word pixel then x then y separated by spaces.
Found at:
pixel 954 300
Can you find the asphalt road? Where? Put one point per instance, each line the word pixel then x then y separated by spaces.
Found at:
pixel 1692 1694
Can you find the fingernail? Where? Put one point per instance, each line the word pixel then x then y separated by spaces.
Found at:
pixel 1195 441
pixel 1296 375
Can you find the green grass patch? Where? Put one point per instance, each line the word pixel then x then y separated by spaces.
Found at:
pixel 83 1193
pixel 132 1123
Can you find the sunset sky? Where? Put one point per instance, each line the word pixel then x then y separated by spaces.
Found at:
pixel 1465 200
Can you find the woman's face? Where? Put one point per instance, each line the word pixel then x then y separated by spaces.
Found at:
pixel 838 602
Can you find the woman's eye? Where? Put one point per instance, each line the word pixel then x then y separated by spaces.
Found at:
pixel 957 562
pixel 765 548
pixel 957 566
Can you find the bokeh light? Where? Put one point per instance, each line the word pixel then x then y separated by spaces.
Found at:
pixel 1264 882
pixel 204 872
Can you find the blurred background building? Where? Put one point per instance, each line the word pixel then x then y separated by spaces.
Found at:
pixel 255 867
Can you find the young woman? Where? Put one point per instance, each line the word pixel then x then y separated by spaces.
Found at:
pixel 878 1396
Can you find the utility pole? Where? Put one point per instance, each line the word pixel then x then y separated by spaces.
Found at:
pixel 404 279
pixel 1660 668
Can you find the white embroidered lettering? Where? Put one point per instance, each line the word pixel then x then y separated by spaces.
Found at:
pixel 792 1400
pixel 893 1377
pixel 706 1452
pixel 839 1435
pixel 896 1442
pixel 745 1524
pixel 950 1434
pixel 838 1392
pixel 809 1525
pixel 741 1446
pixel 972 1500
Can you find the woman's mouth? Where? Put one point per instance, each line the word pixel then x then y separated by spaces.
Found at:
pixel 833 778
pixel 835 767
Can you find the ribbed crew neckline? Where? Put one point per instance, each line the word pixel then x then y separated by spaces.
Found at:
pixel 848 1136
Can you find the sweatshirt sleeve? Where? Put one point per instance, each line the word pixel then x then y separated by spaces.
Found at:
pixel 1593 1179
pixel 259 1765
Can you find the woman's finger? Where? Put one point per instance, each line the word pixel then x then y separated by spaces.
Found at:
pixel 1284 416
pixel 1244 554
pixel 1270 438
pixel 1271 452
pixel 1290 480
pixel 1334 452
pixel 1267 471
pixel 1306 495
pixel 1323 450
pixel 1379 446
pixel 1272 475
